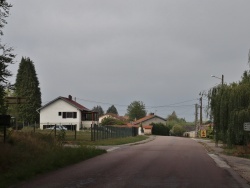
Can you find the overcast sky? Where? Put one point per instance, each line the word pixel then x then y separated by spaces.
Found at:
pixel 104 52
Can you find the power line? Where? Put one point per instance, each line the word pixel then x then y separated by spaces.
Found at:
pixel 168 105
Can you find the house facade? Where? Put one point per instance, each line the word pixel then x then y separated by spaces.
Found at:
pixel 145 129
pixel 146 122
pixel 149 119
pixel 67 112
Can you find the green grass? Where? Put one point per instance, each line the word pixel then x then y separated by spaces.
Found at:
pixel 84 137
pixel 238 151
pixel 27 154
pixel 116 141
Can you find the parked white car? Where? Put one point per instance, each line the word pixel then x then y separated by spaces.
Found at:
pixel 58 127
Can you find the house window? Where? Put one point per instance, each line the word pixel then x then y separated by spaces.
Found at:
pixel 89 117
pixel 69 115
pixel 59 113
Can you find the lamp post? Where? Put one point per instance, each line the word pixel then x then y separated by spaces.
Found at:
pixel 216 131
pixel 222 78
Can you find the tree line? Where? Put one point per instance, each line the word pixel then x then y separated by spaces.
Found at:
pixel 230 109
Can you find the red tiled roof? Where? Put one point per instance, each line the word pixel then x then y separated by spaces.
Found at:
pixel 70 101
pixel 146 118
pixel 74 103
pixel 143 119
pixel 147 126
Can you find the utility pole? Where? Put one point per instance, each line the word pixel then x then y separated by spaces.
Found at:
pixel 201 110
pixel 196 120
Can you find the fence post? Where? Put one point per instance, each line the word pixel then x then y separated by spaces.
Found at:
pixel 75 131
pixel 91 132
pixel 94 132
pixel 55 130
pixel 4 133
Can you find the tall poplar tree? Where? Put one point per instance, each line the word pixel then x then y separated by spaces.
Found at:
pixel 27 85
pixel 6 55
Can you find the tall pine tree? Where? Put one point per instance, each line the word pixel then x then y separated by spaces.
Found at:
pixel 27 85
pixel 112 109
pixel 99 110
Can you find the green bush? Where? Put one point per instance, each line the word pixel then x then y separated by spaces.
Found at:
pixel 160 129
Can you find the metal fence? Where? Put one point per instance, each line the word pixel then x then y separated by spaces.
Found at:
pixel 99 132
pixel 96 132
pixel 71 127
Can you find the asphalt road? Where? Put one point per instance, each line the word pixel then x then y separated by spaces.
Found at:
pixel 164 162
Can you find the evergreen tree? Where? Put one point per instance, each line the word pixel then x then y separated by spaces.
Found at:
pixel 112 109
pixel 172 117
pixel 99 110
pixel 136 110
pixel 6 55
pixel 27 85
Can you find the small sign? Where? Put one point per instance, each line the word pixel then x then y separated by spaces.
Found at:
pixel 247 126
pixel 203 134
pixel 15 100
pixel 5 120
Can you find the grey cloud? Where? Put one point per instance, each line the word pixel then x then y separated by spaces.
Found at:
pixel 114 51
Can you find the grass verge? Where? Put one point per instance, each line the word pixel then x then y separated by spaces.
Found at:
pixel 84 137
pixel 238 151
pixel 110 141
pixel 27 154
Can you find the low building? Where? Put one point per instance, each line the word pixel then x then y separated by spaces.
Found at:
pixel 147 129
pixel 146 122
pixel 149 119
pixel 67 112
pixel 114 116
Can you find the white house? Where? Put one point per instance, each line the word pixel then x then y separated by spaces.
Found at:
pixel 67 112
pixel 151 118
pixel 146 122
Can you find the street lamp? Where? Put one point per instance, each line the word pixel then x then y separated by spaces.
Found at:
pixel 222 78
pixel 216 131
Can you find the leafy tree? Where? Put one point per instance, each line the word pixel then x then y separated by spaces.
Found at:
pixel 112 121
pixel 27 85
pixel 112 109
pixel 99 110
pixel 177 126
pixel 172 117
pixel 136 110
pixel 230 108
pixel 6 55
pixel 177 130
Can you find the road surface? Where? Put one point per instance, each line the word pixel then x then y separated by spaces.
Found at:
pixel 164 162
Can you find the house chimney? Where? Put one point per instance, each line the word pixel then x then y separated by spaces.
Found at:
pixel 70 97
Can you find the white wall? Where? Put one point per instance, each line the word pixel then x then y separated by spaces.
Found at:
pixel 87 124
pixel 49 114
pixel 102 117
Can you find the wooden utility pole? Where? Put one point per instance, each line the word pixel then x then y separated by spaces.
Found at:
pixel 196 120
pixel 201 110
